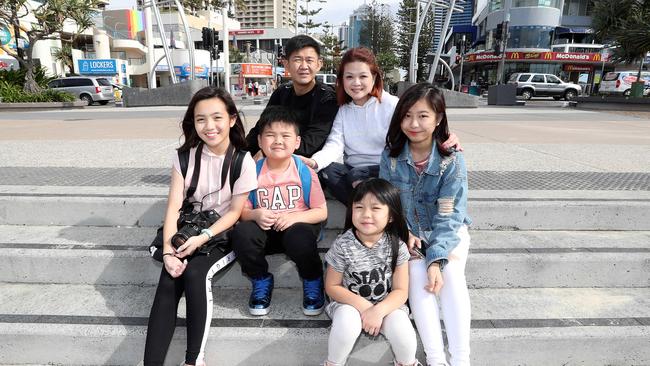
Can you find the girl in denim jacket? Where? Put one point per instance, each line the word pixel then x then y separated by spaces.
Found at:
pixel 433 189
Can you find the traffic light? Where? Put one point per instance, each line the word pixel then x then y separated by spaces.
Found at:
pixel 497 48
pixel 207 35
pixel 217 44
pixel 280 51
pixel 498 34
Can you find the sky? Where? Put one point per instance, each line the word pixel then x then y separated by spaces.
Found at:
pixel 334 11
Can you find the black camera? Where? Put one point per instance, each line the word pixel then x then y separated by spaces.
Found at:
pixel 191 224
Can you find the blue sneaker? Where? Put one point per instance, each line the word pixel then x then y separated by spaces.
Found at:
pixel 313 298
pixel 260 300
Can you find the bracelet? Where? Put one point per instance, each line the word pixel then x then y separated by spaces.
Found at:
pixel 207 232
pixel 164 254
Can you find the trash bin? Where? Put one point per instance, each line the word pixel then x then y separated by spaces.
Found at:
pixel 637 89
pixel 474 90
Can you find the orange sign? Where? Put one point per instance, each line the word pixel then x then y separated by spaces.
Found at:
pixel 256 69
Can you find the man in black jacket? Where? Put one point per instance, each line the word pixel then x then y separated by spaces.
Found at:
pixel 313 102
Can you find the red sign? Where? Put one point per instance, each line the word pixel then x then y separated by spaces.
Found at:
pixel 253 70
pixel 246 32
pixel 541 56
pixel 570 67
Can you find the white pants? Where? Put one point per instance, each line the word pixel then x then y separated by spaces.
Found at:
pixel 454 301
pixel 346 327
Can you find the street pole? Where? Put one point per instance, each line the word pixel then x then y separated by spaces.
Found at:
pixel 462 58
pixel 504 42
pixel 151 56
pixel 441 40
pixel 226 50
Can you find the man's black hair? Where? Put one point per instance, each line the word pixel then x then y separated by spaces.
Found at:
pixel 277 113
pixel 299 42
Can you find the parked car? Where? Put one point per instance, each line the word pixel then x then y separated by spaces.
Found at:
pixel 88 89
pixel 543 85
pixel 329 79
pixel 620 82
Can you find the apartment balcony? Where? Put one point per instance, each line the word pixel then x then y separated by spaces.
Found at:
pixel 129 45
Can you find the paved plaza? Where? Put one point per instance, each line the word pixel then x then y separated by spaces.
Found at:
pixel 559 260
pixel 567 149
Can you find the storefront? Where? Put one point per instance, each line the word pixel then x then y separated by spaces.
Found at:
pixel 575 67
pixel 114 69
pixel 251 79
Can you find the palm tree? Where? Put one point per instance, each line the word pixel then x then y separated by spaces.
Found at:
pixel 64 55
pixel 625 24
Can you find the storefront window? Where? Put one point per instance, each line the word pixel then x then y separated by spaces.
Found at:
pixel 536 3
pixel 496 5
pixel 530 37
pixel 578 7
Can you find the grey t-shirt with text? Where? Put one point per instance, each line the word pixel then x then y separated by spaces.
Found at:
pixel 366 271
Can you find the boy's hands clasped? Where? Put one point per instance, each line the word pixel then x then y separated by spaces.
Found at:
pixel 269 219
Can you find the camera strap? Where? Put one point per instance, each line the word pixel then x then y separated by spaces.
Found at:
pixel 225 168
pixel 197 170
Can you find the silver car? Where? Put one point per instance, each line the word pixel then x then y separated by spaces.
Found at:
pixel 88 89
pixel 543 85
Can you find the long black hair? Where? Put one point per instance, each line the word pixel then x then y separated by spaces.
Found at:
pixel 396 139
pixel 388 195
pixel 191 137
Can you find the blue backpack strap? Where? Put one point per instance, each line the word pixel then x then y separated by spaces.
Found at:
pixel 305 178
pixel 252 196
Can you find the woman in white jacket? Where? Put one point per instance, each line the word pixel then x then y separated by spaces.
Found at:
pixel 359 130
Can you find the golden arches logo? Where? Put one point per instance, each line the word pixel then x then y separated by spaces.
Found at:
pixel 597 57
pixel 515 55
pixel 548 56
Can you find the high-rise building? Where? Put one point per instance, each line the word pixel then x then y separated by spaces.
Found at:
pixel 460 22
pixel 267 14
pixel 354 29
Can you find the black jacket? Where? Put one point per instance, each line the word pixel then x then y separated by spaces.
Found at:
pixel 314 129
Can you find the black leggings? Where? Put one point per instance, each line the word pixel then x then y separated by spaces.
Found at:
pixel 252 244
pixel 196 283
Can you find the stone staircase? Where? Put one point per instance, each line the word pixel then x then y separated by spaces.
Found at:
pixel 555 279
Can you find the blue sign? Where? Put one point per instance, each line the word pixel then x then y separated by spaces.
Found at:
pixel 184 71
pixel 124 68
pixel 97 67
pixel 5 36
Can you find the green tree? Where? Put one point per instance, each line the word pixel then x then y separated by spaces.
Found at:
pixel 377 32
pixel 407 22
pixel 64 55
pixel 625 25
pixel 194 6
pixel 308 14
pixel 234 55
pixel 332 50
pixel 50 17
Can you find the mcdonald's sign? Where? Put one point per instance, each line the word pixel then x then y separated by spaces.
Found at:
pixel 597 57
pixel 548 55
pixel 514 55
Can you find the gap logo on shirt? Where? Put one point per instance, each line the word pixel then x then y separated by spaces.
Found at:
pixel 282 197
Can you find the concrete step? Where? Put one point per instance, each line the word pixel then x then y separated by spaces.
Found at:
pixel 507 259
pixel 489 212
pixel 97 325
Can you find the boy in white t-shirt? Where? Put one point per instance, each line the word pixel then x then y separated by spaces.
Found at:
pixel 282 215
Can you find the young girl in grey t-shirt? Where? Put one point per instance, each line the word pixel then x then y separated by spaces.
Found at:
pixel 367 276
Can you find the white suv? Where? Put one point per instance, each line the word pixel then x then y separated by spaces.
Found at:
pixel 543 85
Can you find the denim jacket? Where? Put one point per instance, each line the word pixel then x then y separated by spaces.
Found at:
pixel 435 202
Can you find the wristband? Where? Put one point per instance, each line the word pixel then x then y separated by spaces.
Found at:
pixel 164 254
pixel 207 232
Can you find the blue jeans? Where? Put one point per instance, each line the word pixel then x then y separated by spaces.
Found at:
pixel 338 178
